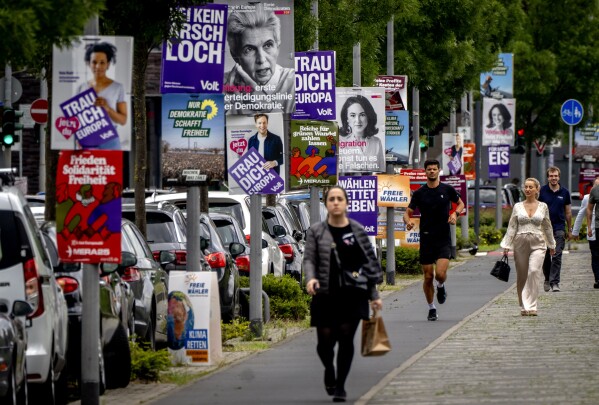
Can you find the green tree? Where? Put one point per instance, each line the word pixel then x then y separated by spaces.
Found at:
pixel 553 65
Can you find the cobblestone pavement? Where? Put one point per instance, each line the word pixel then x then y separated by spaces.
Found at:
pixel 497 356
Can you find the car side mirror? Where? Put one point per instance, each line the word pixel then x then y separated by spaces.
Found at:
pixel 236 249
pixel 298 236
pixel 166 257
pixel 128 259
pixel 279 230
pixel 21 308
pixel 264 244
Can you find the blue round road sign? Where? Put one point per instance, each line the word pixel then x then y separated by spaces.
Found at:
pixel 572 112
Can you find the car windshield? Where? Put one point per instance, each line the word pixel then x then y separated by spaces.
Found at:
pixel 9 247
pixel 160 227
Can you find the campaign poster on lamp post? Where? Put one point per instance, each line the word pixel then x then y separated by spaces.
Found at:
pixel 361 119
pixel 361 191
pixel 393 190
pixel 193 134
pixel 193 61
pixel 396 91
pixel 89 185
pixel 259 68
pixel 246 132
pixel 453 154
pixel 499 121
pixel 314 85
pixel 499 82
pixel 313 161
pixel 397 136
pixel 91 94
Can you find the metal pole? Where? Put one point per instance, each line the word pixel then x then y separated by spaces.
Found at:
pixel 5 156
pixel 193 228
pixel 256 264
pixel 570 157
pixel 90 336
pixel 499 204
pixel 453 129
pixel 314 191
pixel 477 166
pixel 464 218
pixel 90 322
pixel 390 270
pixel 416 127
pixel 314 12
pixel 357 65
pixel 43 95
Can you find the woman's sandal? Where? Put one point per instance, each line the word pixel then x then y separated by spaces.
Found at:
pixel 532 313
pixel 523 312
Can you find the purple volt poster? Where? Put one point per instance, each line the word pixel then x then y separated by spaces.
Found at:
pixel 91 124
pixel 315 85
pixel 193 62
pixel 251 176
pixel 362 194
pixel 499 161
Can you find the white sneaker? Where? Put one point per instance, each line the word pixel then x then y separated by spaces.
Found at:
pixel 555 288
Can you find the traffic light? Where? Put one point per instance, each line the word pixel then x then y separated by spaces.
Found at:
pixel 10 124
pixel 424 139
pixel 520 142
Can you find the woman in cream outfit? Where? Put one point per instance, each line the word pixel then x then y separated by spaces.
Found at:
pixel 529 234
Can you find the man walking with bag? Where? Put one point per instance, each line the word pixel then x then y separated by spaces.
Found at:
pixel 559 202
pixel 434 200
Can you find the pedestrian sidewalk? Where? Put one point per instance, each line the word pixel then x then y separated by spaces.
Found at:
pixel 498 356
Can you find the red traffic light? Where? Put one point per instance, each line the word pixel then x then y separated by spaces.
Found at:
pixel 521 132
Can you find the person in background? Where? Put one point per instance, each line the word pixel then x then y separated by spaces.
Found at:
pixel 588 209
pixel 111 94
pixel 333 246
pixel 559 202
pixel 434 200
pixel 529 235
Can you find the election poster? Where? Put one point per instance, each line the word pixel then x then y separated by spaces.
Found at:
pixel 469 163
pixel 89 185
pixel 586 178
pixel 499 161
pixel 193 319
pixel 453 154
pixel 417 179
pixel 361 119
pixel 313 161
pixel 362 191
pixel 586 142
pixel 91 94
pixel 397 137
pixel 499 121
pixel 259 68
pixel 264 133
pixel 193 61
pixel 499 82
pixel 314 85
pixel 193 134
pixel 393 190
pixel 396 91
pixel 250 173
pixel 459 183
pixel 399 226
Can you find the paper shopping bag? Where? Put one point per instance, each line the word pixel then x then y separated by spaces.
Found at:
pixel 375 341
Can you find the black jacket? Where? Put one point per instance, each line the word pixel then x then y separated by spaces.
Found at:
pixel 317 256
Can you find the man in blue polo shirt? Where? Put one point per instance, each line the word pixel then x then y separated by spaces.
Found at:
pixel 559 202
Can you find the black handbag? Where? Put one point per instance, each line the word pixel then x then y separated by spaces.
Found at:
pixel 348 278
pixel 501 270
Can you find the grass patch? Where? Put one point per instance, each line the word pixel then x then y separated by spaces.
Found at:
pixel 181 377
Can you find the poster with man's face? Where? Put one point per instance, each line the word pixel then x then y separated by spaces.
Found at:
pixel 259 63
pixel 361 119
pixel 499 121
pixel 264 133
pixel 81 118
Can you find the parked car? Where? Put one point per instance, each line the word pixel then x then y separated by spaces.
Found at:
pixel 149 283
pixel 26 274
pixel 128 195
pixel 288 239
pixel 299 202
pixel 116 302
pixel 223 263
pixel 487 195
pixel 13 343
pixel 230 231
pixel 167 231
pixel 238 207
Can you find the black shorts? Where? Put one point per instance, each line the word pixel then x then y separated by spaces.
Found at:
pixel 434 247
